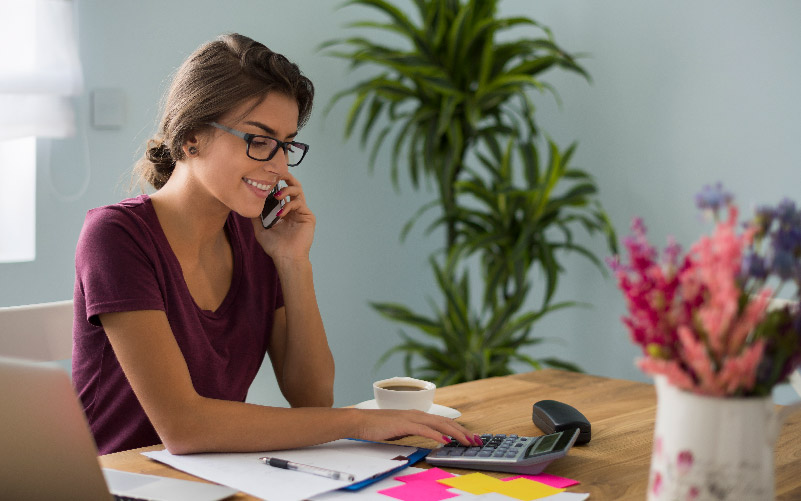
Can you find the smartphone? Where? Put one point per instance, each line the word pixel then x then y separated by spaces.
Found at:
pixel 271 207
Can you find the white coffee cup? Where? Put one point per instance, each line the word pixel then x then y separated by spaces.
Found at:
pixel 404 393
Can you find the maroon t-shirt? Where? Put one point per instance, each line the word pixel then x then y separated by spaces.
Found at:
pixel 123 262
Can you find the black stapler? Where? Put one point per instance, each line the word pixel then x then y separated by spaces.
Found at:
pixel 551 416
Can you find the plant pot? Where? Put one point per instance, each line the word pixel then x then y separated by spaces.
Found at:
pixel 712 448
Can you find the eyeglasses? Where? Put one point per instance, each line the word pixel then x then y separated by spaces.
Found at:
pixel 264 148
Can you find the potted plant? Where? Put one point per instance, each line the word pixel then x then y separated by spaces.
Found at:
pixel 717 341
pixel 454 103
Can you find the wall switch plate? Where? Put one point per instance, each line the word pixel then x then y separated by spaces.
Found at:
pixel 108 108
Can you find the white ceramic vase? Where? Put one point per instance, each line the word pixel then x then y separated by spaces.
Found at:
pixel 711 448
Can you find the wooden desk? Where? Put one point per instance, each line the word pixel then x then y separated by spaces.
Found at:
pixel 613 466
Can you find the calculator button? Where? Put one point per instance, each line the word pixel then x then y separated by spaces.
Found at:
pixel 511 454
pixel 485 454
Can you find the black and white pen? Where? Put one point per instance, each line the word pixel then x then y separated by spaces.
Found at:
pixel 305 468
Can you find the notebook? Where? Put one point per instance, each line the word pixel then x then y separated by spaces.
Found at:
pixel 47 450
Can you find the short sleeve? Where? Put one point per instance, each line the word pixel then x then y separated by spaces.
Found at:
pixel 115 264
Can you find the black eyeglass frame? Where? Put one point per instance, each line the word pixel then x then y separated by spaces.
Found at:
pixel 248 138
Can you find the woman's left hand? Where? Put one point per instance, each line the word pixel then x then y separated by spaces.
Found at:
pixel 291 237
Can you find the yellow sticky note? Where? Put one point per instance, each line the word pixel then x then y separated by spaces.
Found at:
pixel 474 483
pixel 526 490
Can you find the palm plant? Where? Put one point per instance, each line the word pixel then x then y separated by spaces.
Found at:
pixel 447 101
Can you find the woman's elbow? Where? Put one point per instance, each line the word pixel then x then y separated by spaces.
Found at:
pixel 183 440
pixel 319 398
pixel 182 431
pixel 320 401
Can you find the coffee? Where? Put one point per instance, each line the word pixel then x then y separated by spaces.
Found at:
pixel 395 387
pixel 404 393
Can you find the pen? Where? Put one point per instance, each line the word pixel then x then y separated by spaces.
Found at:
pixel 314 470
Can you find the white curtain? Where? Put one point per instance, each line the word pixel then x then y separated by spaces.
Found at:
pixel 39 68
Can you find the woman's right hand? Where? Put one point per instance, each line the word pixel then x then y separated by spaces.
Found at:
pixel 385 424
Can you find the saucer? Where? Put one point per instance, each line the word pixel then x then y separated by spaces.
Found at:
pixel 439 410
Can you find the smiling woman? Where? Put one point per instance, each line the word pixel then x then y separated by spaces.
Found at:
pixel 180 295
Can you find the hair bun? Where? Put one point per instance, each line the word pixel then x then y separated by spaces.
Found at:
pixel 158 153
pixel 161 162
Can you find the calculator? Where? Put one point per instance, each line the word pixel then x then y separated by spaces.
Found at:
pixel 508 453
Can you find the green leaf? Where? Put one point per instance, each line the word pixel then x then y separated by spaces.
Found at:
pixel 408 226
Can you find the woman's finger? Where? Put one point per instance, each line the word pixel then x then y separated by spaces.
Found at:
pixel 445 426
pixel 291 192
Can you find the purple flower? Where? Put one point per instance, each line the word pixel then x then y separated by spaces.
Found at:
pixel 787 239
pixel 713 198
pixel 783 264
pixel 754 267
pixel 786 212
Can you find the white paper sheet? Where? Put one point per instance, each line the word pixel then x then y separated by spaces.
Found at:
pixel 245 472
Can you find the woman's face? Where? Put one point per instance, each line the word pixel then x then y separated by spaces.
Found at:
pixel 223 167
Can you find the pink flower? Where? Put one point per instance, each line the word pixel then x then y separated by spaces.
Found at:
pixel 754 313
pixel 719 260
pixel 695 355
pixel 700 318
pixel 740 372
pixel 693 493
pixel 650 290
pixel 671 369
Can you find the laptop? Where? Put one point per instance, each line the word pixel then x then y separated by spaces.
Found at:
pixel 47 450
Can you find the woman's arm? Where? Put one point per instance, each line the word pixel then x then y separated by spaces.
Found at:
pixel 298 348
pixel 187 422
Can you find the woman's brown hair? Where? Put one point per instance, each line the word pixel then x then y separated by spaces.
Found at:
pixel 219 76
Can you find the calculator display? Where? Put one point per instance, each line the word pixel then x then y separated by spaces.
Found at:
pixel 545 444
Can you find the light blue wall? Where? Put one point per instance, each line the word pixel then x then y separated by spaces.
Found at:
pixel 683 94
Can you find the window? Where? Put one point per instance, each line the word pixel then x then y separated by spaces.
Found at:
pixel 39 72
pixel 18 199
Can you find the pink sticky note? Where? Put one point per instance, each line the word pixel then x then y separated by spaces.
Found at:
pixel 548 479
pixel 430 475
pixel 419 491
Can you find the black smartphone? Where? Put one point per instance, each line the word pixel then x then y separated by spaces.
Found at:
pixel 271 207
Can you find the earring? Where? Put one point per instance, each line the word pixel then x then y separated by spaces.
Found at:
pixel 192 150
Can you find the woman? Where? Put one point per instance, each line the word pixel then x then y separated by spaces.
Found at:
pixel 179 295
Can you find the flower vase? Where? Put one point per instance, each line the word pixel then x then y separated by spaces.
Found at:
pixel 712 448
